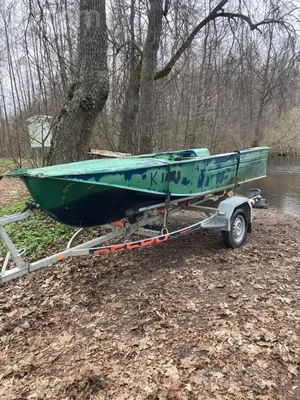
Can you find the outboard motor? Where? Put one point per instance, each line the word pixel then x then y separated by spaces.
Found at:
pixel 257 200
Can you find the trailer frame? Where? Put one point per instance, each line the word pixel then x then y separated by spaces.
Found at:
pixel 218 208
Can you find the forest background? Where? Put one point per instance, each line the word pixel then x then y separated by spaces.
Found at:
pixel 226 82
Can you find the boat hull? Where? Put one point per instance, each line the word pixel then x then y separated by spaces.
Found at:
pixel 97 205
pixel 86 196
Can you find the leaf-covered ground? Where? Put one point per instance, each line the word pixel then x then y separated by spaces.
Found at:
pixel 10 191
pixel 186 319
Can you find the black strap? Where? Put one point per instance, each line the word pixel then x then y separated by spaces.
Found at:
pixel 168 194
pixel 238 160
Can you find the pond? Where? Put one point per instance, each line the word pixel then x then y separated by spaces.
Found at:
pixel 282 185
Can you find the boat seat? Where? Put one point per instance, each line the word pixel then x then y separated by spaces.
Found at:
pixel 181 155
pixel 184 158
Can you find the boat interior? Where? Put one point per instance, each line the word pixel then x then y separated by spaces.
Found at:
pixel 179 155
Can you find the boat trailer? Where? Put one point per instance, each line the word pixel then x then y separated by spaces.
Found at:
pixel 232 215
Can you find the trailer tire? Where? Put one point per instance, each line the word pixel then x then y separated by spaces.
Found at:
pixel 238 230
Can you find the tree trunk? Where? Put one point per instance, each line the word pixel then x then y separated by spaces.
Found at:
pixel 264 95
pixel 128 141
pixel 147 103
pixel 88 93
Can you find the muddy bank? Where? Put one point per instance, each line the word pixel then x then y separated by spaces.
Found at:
pixel 186 319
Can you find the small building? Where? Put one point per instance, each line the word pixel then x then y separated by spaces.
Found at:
pixel 39 127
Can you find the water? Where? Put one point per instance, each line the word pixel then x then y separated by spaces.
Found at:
pixel 282 185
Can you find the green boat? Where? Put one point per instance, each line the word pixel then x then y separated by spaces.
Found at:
pixel 96 192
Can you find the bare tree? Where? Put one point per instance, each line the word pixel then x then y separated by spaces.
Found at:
pixel 222 80
pixel 146 99
pixel 89 91
pixel 135 89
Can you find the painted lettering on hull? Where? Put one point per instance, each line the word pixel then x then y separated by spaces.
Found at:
pixel 153 176
pixel 171 176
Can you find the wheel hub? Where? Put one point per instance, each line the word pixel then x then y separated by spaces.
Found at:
pixel 238 229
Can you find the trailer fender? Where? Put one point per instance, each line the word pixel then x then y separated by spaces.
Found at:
pixel 229 205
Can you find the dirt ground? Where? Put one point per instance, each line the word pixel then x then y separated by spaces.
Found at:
pixel 10 191
pixel 186 319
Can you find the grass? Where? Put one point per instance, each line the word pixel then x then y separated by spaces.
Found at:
pixel 6 164
pixel 38 234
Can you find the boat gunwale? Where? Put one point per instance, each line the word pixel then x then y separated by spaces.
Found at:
pixel 26 173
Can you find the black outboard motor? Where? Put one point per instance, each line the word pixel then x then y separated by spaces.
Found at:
pixel 257 200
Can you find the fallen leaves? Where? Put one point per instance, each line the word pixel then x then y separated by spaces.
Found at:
pixel 11 190
pixel 181 321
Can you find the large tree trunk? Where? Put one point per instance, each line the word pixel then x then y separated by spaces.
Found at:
pixel 264 95
pixel 128 141
pixel 147 89
pixel 88 93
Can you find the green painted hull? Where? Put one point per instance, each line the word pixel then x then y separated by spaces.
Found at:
pixel 96 192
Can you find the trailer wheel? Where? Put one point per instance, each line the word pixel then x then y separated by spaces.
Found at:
pixel 238 230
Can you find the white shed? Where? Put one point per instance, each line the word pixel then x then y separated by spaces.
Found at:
pixel 39 130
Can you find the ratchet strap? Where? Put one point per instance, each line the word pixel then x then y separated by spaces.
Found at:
pixel 167 202
pixel 238 160
pixel 145 242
